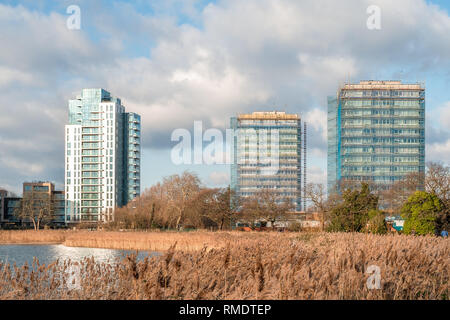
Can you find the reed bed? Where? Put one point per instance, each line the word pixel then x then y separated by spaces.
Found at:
pixel 32 236
pixel 250 266
pixel 145 241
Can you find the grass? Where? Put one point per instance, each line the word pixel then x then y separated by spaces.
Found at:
pixel 32 237
pixel 239 265
pixel 145 241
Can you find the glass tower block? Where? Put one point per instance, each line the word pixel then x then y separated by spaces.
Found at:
pixel 265 140
pixel 102 143
pixel 376 133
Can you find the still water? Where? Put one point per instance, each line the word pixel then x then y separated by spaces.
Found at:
pixel 46 254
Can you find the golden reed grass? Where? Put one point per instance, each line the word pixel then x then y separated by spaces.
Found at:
pixel 249 266
pixel 145 241
pixel 32 236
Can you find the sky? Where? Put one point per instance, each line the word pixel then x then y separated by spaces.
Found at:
pixel 176 62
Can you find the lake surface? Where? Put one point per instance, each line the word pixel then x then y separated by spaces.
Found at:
pixel 46 254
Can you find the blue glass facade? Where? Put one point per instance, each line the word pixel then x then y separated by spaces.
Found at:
pixel 376 133
pixel 132 165
pixel 252 157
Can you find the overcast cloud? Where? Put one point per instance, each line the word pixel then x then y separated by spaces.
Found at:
pixel 196 61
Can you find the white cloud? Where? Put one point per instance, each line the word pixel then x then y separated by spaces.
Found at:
pixel 443 114
pixel 217 178
pixel 246 56
pixel 21 165
pixel 438 152
pixel 11 76
pixel 317 119
pixel 316 174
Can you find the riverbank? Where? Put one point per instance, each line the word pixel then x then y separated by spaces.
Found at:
pixel 33 237
pixel 241 265
pixel 142 241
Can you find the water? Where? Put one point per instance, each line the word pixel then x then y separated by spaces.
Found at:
pixel 47 254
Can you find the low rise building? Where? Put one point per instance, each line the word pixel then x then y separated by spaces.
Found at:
pixel 37 194
pixel 8 205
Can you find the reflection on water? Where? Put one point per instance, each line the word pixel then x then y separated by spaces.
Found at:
pixel 46 254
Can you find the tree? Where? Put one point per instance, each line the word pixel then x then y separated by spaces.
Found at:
pixel 393 198
pixel 377 222
pixel 36 208
pixel 222 205
pixel 204 209
pixel 267 205
pixel 420 213
pixel 315 192
pixel 353 213
pixel 179 191
pixel 437 181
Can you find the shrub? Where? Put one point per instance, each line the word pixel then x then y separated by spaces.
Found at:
pixel 353 213
pixel 376 223
pixel 295 227
pixel 420 213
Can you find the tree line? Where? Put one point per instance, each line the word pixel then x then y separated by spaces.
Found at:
pixel 181 202
pixel 422 200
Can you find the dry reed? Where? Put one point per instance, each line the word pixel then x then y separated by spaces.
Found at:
pixel 145 241
pixel 250 266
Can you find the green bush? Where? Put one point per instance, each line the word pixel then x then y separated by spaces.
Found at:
pixel 353 213
pixel 376 223
pixel 420 213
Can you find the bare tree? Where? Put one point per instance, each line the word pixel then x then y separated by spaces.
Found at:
pixel 36 208
pixel 315 192
pixel 228 204
pixel 395 195
pixel 267 205
pixel 437 181
pixel 180 190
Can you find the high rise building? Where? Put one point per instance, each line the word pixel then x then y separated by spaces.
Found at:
pixel 376 133
pixel 132 134
pixel 267 150
pixel 102 156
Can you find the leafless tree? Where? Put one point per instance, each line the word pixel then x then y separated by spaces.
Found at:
pixel 316 193
pixel 437 181
pixel 395 195
pixel 36 208
pixel 180 189
pixel 267 205
pixel 215 207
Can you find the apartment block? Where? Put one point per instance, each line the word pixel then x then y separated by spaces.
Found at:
pixel 8 206
pixel 102 157
pixel 376 133
pixel 267 153
pixel 44 193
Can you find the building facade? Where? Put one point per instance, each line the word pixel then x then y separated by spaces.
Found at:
pixel 266 154
pixel 3 196
pixel 44 193
pixel 132 134
pixel 36 194
pixel 376 133
pixel 102 157
pixel 8 208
